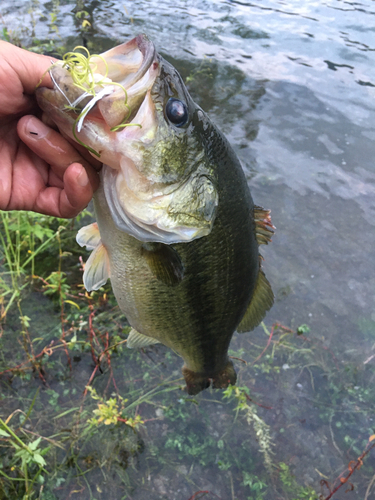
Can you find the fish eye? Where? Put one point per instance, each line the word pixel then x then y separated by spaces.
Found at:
pixel 177 112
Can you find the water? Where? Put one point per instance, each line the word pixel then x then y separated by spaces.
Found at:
pixel 292 85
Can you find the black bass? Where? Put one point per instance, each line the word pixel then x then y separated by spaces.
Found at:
pixel 177 231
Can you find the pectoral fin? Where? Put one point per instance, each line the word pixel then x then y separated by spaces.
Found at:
pixel 96 270
pixel 89 236
pixel 260 303
pixel 137 339
pixel 164 262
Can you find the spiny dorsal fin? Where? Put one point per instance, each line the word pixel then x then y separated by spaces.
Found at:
pixel 263 225
pixel 260 303
pixel 137 339
pixel 164 262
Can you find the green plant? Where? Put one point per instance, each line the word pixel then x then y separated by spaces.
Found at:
pixel 27 464
pixel 292 487
pixel 112 411
pixel 203 71
pixel 23 236
pixel 255 484
pixel 192 445
pixel 5 35
pixel 261 429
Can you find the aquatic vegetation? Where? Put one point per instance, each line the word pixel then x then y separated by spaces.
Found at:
pixel 203 71
pixel 111 411
pixel 27 462
pixel 261 429
pixel 292 487
pixel 343 479
pixel 51 44
pixel 255 484
pixel 23 237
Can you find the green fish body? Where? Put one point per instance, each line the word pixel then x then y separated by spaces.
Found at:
pixel 181 245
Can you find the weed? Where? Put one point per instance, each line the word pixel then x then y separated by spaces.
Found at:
pixel 261 429
pixel 255 485
pixel 202 72
pixel 27 463
pixel 112 411
pixel 292 487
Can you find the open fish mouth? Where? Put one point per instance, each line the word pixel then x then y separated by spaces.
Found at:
pixel 134 67
pixel 109 90
pixel 116 105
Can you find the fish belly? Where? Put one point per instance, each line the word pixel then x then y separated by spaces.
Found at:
pixel 197 317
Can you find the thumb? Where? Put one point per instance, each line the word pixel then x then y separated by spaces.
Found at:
pixel 30 68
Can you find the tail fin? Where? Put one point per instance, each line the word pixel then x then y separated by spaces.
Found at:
pixel 197 382
pixel 226 377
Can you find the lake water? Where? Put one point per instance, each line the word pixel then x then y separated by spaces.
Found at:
pixel 292 85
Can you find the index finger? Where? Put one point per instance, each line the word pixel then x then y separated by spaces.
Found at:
pixel 53 148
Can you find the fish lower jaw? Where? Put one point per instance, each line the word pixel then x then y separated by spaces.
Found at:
pixel 198 381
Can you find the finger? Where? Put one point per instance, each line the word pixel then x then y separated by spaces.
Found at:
pixel 77 191
pixel 71 200
pixel 96 164
pixel 49 145
pixel 54 180
pixel 47 120
pixel 31 68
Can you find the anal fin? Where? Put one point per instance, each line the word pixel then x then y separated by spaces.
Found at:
pixel 261 302
pixel 137 339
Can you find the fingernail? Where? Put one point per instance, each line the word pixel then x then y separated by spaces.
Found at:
pixel 82 178
pixel 36 128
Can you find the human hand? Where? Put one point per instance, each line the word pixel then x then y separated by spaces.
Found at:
pixel 39 169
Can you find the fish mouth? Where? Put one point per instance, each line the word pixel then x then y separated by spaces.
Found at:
pixel 110 94
pixel 116 112
pixel 134 66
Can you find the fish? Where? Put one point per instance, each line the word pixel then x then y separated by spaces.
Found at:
pixel 176 231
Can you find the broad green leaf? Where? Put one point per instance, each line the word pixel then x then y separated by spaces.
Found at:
pixel 39 459
pixel 34 445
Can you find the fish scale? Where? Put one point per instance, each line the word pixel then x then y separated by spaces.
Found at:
pixel 177 231
pixel 197 317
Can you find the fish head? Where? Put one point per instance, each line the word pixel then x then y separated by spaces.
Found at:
pixel 140 120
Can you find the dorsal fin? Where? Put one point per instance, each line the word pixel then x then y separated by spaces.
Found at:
pixel 263 225
pixel 260 303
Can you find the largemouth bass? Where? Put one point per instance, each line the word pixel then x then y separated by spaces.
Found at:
pixel 177 231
